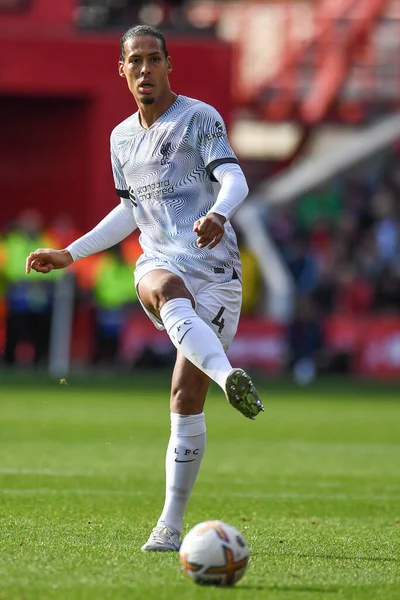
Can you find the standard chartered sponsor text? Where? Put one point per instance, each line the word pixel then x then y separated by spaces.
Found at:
pixel 158 188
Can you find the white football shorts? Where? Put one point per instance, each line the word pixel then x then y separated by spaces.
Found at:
pixel 217 304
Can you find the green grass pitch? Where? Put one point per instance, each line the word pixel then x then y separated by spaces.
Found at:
pixel 313 484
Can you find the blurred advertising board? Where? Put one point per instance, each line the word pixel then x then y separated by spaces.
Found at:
pixel 372 342
pixel 258 344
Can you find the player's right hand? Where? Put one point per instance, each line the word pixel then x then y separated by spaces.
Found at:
pixel 45 260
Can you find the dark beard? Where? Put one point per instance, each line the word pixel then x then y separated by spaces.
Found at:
pixel 147 100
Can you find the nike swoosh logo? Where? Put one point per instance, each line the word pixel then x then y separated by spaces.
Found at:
pixel 181 461
pixel 187 331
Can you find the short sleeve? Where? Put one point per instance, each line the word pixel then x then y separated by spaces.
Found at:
pixel 121 187
pixel 212 140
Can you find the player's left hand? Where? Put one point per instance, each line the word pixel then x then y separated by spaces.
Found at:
pixel 209 229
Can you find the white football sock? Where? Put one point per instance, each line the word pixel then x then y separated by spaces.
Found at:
pixel 182 462
pixel 195 339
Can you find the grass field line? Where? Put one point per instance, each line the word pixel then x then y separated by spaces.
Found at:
pixel 328 447
pixel 331 484
pixel 48 472
pixel 283 482
pixel 256 495
pixel 78 492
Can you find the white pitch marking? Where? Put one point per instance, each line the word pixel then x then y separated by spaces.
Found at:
pixel 45 491
pixel 270 496
pixel 45 471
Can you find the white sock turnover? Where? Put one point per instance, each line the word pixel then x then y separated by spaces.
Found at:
pixel 182 462
pixel 195 339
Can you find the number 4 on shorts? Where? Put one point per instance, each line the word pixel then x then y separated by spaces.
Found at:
pixel 218 321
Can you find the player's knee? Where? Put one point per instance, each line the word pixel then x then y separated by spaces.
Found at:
pixel 187 400
pixel 166 290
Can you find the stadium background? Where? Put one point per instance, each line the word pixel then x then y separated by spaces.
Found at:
pixel 310 93
pixel 322 262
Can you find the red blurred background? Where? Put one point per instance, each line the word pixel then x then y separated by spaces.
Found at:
pixel 291 78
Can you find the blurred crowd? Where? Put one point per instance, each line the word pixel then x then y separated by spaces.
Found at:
pixel 103 281
pixel 104 292
pixel 341 244
pixel 177 15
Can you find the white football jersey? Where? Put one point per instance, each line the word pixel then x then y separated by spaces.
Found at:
pixel 166 173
